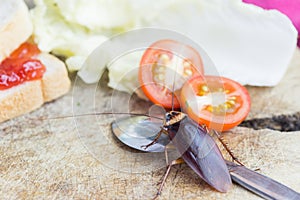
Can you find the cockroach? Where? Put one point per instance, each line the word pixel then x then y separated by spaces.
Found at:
pixel 197 149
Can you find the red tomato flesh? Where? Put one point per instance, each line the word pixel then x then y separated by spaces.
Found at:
pixel 217 102
pixel 164 63
pixel 21 66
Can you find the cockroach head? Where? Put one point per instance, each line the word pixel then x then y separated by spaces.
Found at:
pixel 173 117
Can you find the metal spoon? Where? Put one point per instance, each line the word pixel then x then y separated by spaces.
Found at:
pixel 136 131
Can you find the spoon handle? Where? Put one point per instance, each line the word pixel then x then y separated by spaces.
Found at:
pixel 259 184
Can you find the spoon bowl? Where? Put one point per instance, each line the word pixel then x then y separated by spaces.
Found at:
pixel 136 131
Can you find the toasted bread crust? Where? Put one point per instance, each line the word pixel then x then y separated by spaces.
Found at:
pixel 30 95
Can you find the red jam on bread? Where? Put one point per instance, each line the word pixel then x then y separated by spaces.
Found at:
pixel 21 66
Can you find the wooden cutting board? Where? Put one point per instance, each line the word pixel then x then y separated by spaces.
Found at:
pixel 67 159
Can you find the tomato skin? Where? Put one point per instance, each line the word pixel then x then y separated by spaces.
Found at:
pixel 159 93
pixel 219 120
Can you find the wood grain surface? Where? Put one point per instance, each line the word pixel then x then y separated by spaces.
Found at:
pixel 80 159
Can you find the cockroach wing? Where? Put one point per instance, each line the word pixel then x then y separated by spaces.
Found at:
pixel 201 153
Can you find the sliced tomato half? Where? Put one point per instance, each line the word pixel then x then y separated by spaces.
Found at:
pixel 165 66
pixel 217 102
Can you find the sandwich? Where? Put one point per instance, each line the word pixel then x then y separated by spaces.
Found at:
pixel 28 77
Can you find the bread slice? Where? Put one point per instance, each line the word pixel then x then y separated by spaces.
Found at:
pixel 30 95
pixel 20 99
pixel 15 26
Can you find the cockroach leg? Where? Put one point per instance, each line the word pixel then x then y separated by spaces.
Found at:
pixel 155 139
pixel 166 152
pixel 257 169
pixel 225 145
pixel 206 128
pixel 174 162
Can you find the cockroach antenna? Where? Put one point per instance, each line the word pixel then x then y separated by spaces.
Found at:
pixel 97 113
pixel 173 88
